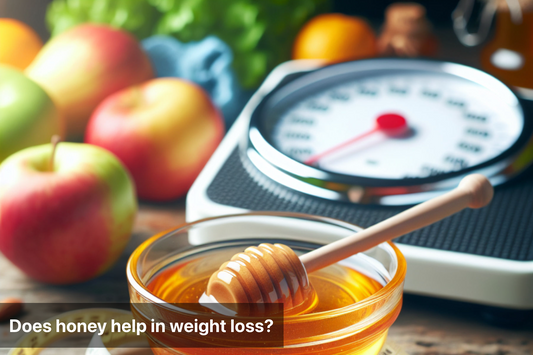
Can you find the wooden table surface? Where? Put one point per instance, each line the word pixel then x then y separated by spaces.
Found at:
pixel 425 326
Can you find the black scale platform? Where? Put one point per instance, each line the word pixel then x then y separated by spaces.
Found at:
pixel 504 229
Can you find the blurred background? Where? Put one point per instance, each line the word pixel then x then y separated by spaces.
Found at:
pixel 31 11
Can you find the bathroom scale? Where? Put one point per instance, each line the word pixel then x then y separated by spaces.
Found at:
pixel 364 140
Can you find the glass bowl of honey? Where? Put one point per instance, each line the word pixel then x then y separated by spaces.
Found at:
pixel 358 299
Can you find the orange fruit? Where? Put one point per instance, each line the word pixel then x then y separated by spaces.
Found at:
pixel 19 44
pixel 335 38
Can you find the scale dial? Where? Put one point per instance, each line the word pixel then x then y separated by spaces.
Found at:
pixel 322 128
pixel 451 125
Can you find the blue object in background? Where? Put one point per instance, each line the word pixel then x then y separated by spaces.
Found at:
pixel 206 63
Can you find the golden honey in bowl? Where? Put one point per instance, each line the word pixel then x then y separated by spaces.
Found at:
pixel 336 286
pixel 357 300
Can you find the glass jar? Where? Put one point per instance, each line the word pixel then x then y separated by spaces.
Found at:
pixel 357 326
pixel 508 55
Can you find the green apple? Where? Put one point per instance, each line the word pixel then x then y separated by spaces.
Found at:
pixel 27 114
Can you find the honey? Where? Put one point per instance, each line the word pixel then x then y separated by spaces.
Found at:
pixel 508 55
pixel 357 299
pixel 336 286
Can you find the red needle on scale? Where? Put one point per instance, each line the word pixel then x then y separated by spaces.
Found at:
pixel 389 123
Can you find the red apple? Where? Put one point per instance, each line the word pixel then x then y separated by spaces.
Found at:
pixel 81 67
pixel 68 223
pixel 164 131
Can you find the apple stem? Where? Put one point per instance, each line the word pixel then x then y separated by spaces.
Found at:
pixel 55 141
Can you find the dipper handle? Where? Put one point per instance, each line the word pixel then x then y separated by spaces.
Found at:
pixel 474 191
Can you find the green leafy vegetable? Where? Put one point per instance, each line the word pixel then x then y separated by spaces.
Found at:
pixel 260 32
pixel 135 16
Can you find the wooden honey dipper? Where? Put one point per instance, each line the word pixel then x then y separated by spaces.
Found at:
pixel 274 273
